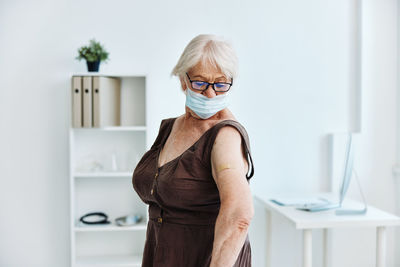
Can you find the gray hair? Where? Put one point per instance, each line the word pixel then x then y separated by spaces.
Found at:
pixel 211 49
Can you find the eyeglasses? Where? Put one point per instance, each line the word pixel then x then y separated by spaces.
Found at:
pixel 202 86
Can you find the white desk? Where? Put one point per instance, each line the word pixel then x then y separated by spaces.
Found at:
pixel 306 221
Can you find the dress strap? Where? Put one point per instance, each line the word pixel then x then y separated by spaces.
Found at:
pixel 163 131
pixel 245 142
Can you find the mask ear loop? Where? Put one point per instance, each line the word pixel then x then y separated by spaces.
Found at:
pixel 187 87
pixel 188 84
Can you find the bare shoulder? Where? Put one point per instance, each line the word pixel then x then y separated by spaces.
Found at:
pixel 227 151
pixel 228 132
pixel 228 135
pixel 228 140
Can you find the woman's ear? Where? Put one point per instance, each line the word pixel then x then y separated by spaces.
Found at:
pixel 183 82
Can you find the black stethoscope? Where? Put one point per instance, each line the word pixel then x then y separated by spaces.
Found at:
pixel 121 221
pixel 102 220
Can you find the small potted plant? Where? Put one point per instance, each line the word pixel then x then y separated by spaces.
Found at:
pixel 94 54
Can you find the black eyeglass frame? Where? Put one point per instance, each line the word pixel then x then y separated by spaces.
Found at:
pixel 208 84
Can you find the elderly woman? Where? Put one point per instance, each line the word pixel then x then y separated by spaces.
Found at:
pixel 195 178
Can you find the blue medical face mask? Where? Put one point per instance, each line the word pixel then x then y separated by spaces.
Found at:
pixel 203 106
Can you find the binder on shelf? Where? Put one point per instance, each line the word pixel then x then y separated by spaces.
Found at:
pixel 87 101
pixel 106 101
pixel 76 95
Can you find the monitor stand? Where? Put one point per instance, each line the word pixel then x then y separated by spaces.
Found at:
pixel 354 211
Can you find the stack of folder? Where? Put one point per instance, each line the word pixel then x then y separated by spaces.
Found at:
pixel 95 101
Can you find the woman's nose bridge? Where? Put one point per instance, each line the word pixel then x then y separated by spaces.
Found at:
pixel 209 92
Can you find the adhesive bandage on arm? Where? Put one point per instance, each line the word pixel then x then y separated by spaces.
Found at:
pixel 224 167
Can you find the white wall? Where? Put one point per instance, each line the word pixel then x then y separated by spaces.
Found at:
pixel 297 83
pixel 377 150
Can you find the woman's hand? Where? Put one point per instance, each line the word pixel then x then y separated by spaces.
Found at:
pixel 229 168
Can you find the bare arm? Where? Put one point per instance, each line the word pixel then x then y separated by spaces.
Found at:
pixel 229 168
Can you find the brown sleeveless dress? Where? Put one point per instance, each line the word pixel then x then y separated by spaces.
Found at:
pixel 183 201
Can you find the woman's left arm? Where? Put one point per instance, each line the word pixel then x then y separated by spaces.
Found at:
pixel 229 168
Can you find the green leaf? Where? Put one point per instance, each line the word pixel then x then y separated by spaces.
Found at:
pixel 93 52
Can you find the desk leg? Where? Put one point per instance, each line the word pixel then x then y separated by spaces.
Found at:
pixel 326 247
pixel 381 246
pixel 307 248
pixel 269 238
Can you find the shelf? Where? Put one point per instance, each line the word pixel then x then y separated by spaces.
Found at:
pixel 110 74
pixel 101 163
pixel 102 174
pixel 113 128
pixel 110 228
pixel 109 260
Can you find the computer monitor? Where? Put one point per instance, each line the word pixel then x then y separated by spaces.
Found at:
pixel 348 171
pixel 346 178
pixel 322 204
pixel 348 168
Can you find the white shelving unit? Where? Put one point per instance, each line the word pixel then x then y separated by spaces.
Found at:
pixel 102 182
